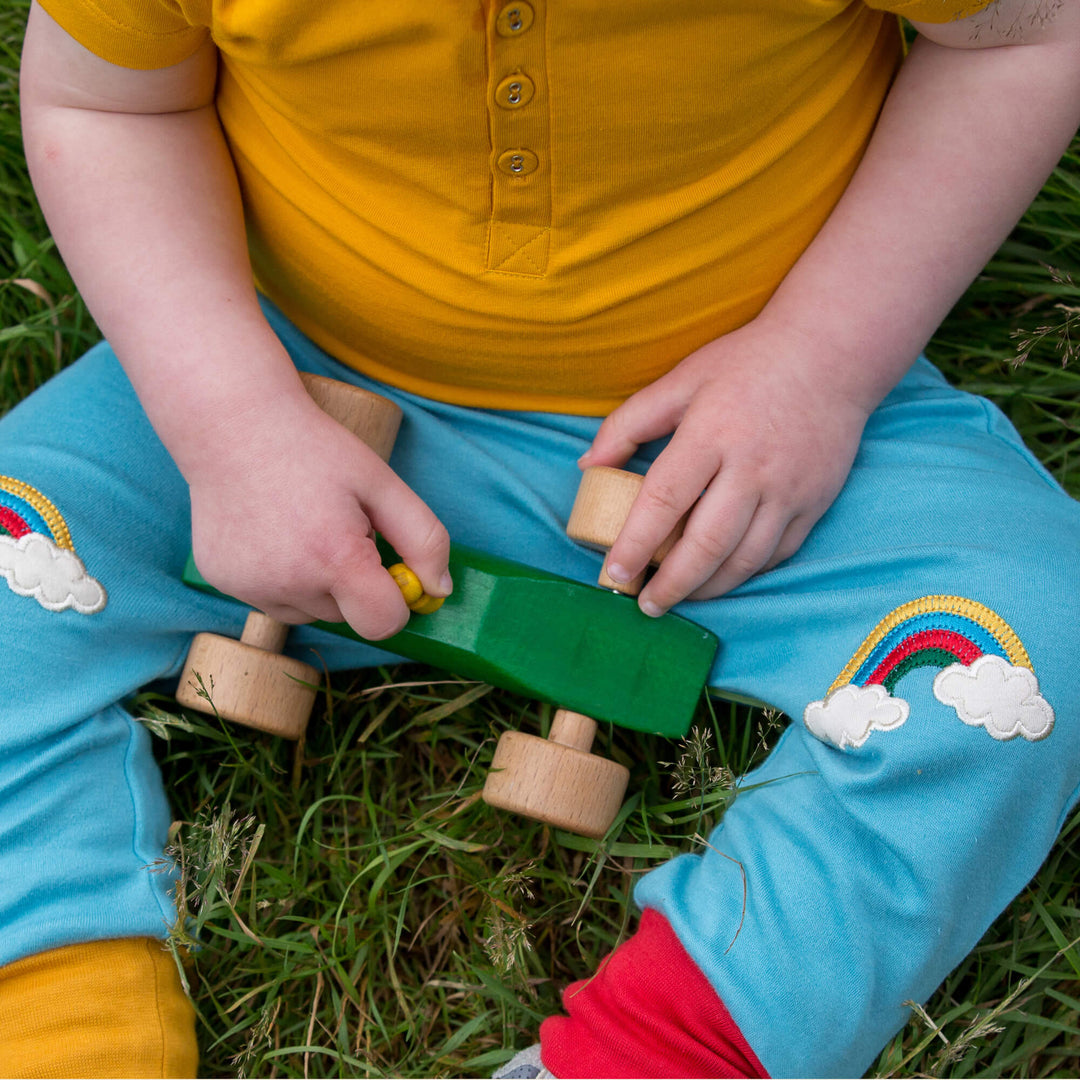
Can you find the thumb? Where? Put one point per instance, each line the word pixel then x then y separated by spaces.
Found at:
pixel 416 534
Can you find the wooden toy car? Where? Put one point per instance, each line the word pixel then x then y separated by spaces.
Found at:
pixel 577 646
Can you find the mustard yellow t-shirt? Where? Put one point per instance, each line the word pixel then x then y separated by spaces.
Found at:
pixel 527 204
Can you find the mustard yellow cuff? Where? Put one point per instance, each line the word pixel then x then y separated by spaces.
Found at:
pixel 105 1008
pixel 140 35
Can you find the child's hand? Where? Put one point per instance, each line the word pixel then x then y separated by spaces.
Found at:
pixel 284 515
pixel 762 445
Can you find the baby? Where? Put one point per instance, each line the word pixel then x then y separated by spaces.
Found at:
pixel 706 239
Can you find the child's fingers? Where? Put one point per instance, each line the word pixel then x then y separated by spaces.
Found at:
pixel 727 535
pixel 797 531
pixel 322 608
pixel 649 414
pixel 749 556
pixel 415 533
pixel 746 560
pixel 676 479
pixel 366 595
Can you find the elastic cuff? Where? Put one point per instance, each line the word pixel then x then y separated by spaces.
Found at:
pixel 648 1011
pixel 105 1008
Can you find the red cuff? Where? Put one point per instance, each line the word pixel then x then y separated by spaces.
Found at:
pixel 647 1012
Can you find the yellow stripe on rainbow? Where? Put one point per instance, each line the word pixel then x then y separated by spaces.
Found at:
pixel 36 501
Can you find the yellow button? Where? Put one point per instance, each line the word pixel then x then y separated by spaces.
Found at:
pixel 514 91
pixel 517 162
pixel 514 19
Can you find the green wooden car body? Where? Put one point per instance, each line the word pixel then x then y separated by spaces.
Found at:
pixel 544 636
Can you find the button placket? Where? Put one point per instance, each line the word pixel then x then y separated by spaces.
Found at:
pixel 518 232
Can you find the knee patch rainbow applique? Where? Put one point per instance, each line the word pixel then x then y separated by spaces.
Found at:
pixel 36 554
pixel 986 675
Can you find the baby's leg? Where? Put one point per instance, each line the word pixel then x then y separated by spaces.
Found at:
pixel 921 643
pixel 92 514
pixel 94 533
pixel 102 1008
pixel 938 600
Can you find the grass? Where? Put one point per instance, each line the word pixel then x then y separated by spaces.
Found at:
pixel 362 913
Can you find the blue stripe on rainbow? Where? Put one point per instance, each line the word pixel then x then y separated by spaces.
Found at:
pixel 966 628
pixel 23 510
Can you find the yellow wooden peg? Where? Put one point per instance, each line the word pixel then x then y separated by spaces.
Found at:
pixel 412 592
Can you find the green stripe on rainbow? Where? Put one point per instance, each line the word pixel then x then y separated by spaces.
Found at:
pixel 28 506
pixel 933 630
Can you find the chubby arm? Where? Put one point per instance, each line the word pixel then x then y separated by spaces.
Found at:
pixel 767 419
pixel 137 184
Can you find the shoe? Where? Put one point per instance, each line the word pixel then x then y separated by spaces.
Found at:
pixel 524 1065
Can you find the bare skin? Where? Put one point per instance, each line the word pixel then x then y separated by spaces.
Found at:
pixel 138 188
pixel 765 421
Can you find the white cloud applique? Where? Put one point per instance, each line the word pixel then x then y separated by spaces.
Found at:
pixel 56 577
pixel 848 715
pixel 996 695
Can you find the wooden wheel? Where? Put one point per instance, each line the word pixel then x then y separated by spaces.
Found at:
pixel 603 501
pixel 253 684
pixel 249 681
pixel 557 780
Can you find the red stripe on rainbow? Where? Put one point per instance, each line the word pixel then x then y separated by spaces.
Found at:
pixel 965 650
pixel 12 522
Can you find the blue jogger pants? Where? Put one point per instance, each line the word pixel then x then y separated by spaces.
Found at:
pixel 920 641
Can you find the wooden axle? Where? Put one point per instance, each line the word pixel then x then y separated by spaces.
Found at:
pixel 558 780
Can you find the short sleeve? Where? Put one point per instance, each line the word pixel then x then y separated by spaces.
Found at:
pixel 142 34
pixel 931 11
